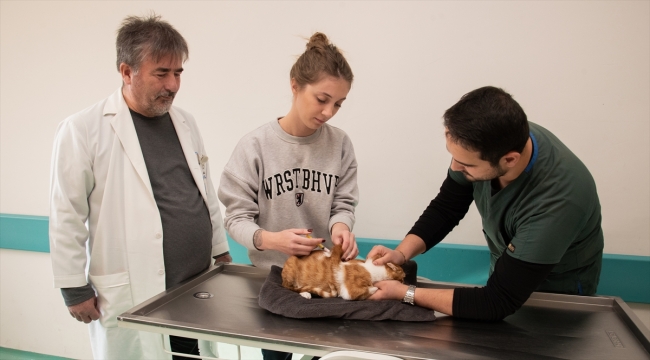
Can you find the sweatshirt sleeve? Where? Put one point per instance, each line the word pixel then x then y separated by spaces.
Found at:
pixel 238 191
pixel 346 197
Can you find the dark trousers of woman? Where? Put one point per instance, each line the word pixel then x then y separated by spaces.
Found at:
pixel 183 345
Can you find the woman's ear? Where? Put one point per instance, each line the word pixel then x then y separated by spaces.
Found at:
pixel 294 86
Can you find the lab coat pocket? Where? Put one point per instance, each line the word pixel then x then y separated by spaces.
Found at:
pixel 113 296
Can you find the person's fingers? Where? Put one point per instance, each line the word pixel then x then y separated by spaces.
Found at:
pixel 376 250
pixel 94 315
pixel 385 258
pixel 352 250
pixel 345 246
pixel 303 232
pixel 355 251
pixel 303 246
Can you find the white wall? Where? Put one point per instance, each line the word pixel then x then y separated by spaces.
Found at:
pixel 579 68
pixel 33 316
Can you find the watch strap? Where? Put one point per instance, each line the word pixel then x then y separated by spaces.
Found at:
pixel 409 298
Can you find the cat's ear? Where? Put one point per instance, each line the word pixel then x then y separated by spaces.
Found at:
pixel 392 266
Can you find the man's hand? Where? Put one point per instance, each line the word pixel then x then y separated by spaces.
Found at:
pixel 341 235
pixel 86 311
pixel 389 290
pixel 441 300
pixel 223 258
pixel 383 255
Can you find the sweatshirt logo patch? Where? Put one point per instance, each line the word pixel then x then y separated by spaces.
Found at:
pixel 300 198
pixel 511 248
pixel 299 179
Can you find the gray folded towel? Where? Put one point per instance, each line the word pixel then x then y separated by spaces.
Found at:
pixel 279 300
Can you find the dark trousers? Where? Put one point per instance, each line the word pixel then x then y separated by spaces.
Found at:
pixel 275 355
pixel 279 355
pixel 183 345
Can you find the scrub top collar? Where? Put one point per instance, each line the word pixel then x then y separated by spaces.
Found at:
pixel 533 158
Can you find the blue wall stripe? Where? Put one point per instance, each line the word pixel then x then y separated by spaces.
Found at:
pixel 627 276
pixel 13 354
pixel 24 232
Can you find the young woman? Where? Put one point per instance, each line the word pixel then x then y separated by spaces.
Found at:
pixel 296 175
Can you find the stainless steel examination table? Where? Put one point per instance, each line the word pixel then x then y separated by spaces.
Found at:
pixel 222 305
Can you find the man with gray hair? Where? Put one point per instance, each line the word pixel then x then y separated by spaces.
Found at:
pixel 132 210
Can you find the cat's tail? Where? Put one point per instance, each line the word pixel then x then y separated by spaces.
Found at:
pixel 337 252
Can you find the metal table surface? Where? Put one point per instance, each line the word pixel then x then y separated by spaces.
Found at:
pixel 548 326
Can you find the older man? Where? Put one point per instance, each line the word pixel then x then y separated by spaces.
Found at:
pixel 132 199
pixel 538 202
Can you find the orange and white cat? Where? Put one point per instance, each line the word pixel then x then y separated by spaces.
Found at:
pixel 324 274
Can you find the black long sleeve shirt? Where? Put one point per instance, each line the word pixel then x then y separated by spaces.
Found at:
pixel 511 283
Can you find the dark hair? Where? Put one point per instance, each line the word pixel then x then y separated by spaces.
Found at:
pixel 490 121
pixel 139 37
pixel 321 57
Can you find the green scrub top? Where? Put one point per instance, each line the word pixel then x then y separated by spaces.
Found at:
pixel 550 214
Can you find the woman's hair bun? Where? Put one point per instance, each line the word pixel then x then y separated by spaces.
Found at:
pixel 320 58
pixel 318 41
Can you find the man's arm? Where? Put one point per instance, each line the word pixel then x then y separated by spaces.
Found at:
pixel 511 284
pixel 444 212
pixel 506 291
pixel 72 181
pixel 412 245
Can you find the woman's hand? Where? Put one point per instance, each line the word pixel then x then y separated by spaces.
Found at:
pixel 290 241
pixel 341 235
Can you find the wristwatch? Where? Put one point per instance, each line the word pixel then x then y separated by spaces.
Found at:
pixel 410 294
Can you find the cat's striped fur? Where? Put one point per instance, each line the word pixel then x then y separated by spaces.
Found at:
pixel 324 274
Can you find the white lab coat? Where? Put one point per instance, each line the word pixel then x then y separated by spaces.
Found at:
pixel 104 218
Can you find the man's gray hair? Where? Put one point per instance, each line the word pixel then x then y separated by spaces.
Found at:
pixel 139 37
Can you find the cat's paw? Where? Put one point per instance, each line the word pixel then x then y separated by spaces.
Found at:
pixel 372 290
pixel 306 295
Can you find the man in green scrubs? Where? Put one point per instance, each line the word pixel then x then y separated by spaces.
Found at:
pixel 538 203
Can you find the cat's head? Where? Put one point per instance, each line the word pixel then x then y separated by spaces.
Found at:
pixel 395 272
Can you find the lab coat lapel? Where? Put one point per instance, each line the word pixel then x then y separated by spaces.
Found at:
pixel 190 149
pixel 122 124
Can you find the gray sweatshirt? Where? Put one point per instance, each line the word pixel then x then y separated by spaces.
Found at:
pixel 277 181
